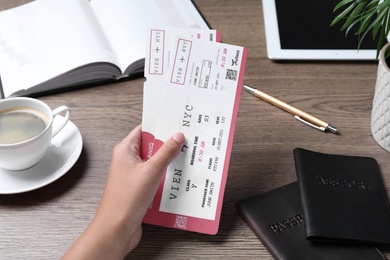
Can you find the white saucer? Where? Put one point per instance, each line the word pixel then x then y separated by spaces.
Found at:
pixel 63 153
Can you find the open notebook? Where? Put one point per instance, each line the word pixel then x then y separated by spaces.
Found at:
pixel 55 44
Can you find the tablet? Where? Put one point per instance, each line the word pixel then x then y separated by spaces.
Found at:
pixel 300 30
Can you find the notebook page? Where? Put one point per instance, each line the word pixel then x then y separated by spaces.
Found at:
pixel 126 23
pixel 46 38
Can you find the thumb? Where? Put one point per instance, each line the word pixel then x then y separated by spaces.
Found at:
pixel 167 152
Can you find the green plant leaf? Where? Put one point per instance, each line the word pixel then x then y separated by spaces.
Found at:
pixel 364 17
pixel 341 4
pixel 342 15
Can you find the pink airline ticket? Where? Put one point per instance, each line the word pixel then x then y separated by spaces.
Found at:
pixel 200 98
pixel 157 62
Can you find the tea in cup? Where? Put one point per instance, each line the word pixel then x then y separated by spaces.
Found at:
pixel 26 131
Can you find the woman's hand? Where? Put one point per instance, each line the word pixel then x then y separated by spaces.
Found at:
pixel 131 185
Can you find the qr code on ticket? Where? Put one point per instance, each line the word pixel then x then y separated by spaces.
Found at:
pixel 181 222
pixel 231 74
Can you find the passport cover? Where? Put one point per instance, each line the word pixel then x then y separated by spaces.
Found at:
pixel 277 218
pixel 343 197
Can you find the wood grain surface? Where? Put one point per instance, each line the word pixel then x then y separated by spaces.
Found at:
pixel 42 224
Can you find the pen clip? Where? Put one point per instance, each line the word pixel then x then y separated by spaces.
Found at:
pixel 310 124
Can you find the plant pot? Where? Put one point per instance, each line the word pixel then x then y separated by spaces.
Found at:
pixel 380 115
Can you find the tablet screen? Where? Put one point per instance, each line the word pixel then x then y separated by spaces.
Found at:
pixel 300 29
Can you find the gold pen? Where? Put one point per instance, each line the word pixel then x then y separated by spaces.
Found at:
pixel 298 114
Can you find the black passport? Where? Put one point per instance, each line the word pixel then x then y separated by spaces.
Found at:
pixel 277 218
pixel 343 198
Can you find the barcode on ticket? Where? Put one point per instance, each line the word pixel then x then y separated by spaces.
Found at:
pixel 231 74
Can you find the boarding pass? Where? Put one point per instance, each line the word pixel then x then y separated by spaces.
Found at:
pixel 200 97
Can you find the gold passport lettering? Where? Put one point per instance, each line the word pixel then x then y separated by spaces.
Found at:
pixel 286 224
pixel 341 183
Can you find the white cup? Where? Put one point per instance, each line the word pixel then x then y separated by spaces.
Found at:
pixel 25 154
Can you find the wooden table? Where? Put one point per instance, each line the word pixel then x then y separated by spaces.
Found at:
pixel 43 223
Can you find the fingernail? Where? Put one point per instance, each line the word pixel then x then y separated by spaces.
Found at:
pixel 178 137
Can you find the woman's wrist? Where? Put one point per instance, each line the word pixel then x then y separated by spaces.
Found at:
pixel 107 237
pixel 118 233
